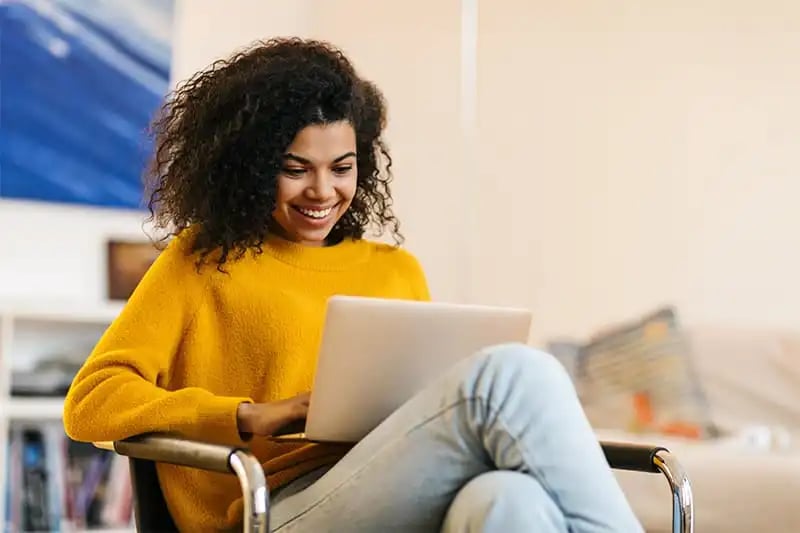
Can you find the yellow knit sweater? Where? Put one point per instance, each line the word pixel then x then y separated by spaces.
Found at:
pixel 189 347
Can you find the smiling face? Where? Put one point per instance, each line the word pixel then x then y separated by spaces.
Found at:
pixel 317 182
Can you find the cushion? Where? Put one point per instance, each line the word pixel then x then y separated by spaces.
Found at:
pixel 639 377
pixel 750 376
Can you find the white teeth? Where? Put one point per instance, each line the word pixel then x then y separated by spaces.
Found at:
pixel 315 213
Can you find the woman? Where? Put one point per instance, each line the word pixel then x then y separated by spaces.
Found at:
pixel 269 169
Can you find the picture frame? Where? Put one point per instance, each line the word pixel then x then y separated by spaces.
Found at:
pixel 127 262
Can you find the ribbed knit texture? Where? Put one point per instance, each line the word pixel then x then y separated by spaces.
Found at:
pixel 189 347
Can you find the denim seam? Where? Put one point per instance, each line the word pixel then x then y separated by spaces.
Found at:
pixel 526 455
pixel 535 471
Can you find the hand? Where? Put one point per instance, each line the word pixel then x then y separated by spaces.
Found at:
pixel 266 418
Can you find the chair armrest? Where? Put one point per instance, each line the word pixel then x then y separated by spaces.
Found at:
pixel 636 457
pixel 657 459
pixel 161 448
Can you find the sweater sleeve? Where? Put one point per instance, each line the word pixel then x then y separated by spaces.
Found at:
pixel 116 394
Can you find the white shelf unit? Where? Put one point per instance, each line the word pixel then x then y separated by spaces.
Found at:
pixel 30 409
pixel 28 335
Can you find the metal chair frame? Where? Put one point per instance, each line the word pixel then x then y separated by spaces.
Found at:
pixel 152 515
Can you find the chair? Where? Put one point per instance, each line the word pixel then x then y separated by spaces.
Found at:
pixel 152 516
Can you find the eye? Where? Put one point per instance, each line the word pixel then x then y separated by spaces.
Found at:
pixel 294 172
pixel 342 170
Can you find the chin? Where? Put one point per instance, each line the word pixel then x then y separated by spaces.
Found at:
pixel 314 238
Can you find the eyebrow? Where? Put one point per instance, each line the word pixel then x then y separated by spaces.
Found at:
pixel 305 161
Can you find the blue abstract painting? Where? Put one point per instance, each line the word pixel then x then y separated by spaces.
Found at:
pixel 80 81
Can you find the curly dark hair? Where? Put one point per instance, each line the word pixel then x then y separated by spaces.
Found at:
pixel 221 136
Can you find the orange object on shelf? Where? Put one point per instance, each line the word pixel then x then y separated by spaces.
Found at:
pixel 642 409
pixel 681 429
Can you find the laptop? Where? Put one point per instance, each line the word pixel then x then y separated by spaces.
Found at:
pixel 375 354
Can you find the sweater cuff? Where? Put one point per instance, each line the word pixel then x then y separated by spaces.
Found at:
pixel 216 419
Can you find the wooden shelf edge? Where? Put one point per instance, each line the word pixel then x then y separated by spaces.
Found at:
pixel 29 409
pixel 102 313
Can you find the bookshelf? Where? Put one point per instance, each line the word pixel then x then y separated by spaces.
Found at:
pixel 31 338
pixel 34 408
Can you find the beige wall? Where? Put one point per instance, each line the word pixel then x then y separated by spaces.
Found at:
pixel 639 153
pixel 206 30
pixel 630 154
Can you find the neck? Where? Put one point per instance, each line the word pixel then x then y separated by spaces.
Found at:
pixel 332 256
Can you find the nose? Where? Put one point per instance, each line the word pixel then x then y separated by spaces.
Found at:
pixel 321 188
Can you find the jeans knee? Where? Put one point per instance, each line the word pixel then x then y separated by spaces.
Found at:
pixel 519 358
pixel 504 501
pixel 502 486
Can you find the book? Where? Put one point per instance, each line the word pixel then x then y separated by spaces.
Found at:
pixel 55 484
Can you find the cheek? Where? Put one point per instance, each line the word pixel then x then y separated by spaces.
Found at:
pixel 285 193
pixel 348 190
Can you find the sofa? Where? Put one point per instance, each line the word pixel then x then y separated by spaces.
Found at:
pixel 747 478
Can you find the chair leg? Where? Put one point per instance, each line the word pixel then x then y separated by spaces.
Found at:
pixel 254 489
pixel 682 502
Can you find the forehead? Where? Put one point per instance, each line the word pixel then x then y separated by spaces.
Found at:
pixel 324 142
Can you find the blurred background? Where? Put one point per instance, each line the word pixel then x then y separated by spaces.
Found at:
pixel 610 165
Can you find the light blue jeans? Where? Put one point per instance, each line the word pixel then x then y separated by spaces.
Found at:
pixel 498 444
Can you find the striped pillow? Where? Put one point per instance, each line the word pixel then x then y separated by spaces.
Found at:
pixel 639 377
